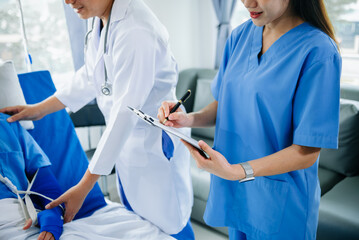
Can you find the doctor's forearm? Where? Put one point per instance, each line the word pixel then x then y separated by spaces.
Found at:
pixel 206 117
pixel 50 105
pixel 292 158
pixel 88 181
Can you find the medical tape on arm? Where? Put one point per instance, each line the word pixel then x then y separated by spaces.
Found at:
pixel 29 210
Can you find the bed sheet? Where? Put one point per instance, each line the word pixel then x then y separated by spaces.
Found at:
pixel 108 223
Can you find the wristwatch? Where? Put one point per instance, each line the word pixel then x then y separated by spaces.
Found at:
pixel 248 171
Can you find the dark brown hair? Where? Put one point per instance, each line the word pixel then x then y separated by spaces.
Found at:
pixel 315 13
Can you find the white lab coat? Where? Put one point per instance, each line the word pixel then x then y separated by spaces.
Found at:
pixel 143 73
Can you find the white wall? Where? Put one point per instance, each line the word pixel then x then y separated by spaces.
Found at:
pixel 192 26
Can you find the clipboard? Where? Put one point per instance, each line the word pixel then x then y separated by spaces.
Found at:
pixel 156 123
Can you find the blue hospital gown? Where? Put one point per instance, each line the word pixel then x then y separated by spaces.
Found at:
pixel 20 158
pixel 289 95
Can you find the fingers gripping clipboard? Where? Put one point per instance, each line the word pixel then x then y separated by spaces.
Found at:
pixel 156 123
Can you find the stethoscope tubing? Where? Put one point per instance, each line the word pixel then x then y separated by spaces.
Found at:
pixel 106 88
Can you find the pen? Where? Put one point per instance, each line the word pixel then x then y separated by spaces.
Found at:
pixel 182 100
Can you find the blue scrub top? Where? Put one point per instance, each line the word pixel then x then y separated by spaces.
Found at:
pixel 20 156
pixel 289 95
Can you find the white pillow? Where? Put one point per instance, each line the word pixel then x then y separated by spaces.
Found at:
pixel 10 90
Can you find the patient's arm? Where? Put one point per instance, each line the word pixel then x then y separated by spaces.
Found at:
pixel 13 138
pixel 43 235
pixel 46 236
pixel 49 220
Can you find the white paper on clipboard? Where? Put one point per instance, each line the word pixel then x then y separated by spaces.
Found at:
pixel 156 123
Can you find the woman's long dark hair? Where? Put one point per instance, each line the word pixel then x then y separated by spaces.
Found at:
pixel 315 13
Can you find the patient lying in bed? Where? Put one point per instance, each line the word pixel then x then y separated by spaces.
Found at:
pixel 20 160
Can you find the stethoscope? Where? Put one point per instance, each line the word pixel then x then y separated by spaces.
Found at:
pixel 106 87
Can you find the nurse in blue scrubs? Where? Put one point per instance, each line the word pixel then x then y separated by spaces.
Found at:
pixel 277 105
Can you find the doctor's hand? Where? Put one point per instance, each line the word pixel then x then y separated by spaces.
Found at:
pixel 23 112
pixel 33 112
pixel 216 164
pixel 177 119
pixel 73 199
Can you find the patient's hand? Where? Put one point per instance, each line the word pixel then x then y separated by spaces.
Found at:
pixel 43 236
pixel 28 224
pixel 46 236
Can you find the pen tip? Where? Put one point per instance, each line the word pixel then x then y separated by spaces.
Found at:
pixel 130 108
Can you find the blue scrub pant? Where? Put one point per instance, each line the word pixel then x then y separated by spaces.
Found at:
pixel 234 234
pixel 186 233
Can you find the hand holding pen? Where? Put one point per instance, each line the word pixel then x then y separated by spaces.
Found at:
pixel 174 117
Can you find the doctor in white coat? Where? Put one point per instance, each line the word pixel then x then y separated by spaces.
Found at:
pixel 129 45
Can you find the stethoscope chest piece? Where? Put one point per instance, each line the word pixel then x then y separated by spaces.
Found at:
pixel 106 89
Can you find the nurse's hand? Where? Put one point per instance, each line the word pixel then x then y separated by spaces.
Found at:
pixel 216 164
pixel 23 112
pixel 73 199
pixel 177 119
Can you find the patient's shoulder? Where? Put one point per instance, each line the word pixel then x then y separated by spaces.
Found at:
pixel 3 116
pixel 6 127
pixel 3 120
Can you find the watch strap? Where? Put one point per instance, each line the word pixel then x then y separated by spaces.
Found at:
pixel 248 171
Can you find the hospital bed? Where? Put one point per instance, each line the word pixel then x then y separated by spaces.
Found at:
pixel 98 218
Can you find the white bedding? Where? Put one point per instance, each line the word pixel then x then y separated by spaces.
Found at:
pixel 109 223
